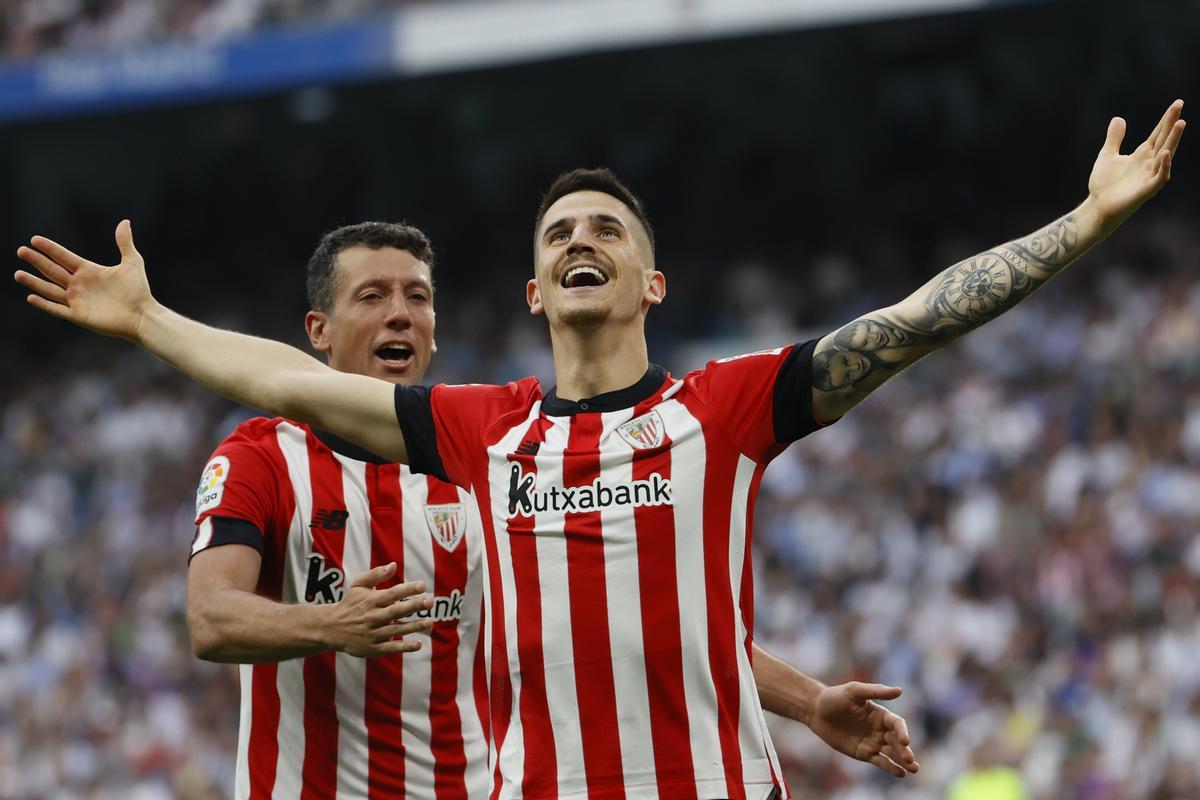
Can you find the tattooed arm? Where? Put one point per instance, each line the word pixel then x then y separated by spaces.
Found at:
pixel 851 362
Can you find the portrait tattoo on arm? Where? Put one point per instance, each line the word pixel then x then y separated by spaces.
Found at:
pixel 874 347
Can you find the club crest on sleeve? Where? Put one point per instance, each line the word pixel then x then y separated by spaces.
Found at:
pixel 447 523
pixel 212 484
pixel 644 432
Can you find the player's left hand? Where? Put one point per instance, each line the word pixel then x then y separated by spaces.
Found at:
pixel 1119 184
pixel 849 720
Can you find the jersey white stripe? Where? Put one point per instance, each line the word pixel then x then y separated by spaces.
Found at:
pixel 512 753
pixel 468 631
pixel 625 613
pixel 418 561
pixel 559 661
pixel 241 781
pixel 752 737
pixel 351 671
pixel 290 676
pixel 687 481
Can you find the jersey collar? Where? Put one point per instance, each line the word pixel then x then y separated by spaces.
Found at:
pixel 647 385
pixel 347 448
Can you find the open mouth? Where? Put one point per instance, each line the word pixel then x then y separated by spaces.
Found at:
pixel 583 275
pixel 396 355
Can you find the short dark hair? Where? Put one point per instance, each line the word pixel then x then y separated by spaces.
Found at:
pixel 322 264
pixel 602 180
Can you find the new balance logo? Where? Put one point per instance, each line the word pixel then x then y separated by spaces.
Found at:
pixel 524 500
pixel 323 585
pixel 529 447
pixel 330 519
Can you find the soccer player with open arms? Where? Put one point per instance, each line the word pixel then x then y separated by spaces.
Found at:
pixel 616 547
pixel 289 514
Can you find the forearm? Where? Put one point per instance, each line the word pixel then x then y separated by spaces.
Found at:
pixel 277 378
pixel 783 689
pixel 856 359
pixel 248 369
pixel 241 627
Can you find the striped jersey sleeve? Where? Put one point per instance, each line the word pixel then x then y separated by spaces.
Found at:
pixel 239 499
pixel 763 400
pixel 445 427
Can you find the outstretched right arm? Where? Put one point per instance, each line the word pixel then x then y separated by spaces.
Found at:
pixel 261 373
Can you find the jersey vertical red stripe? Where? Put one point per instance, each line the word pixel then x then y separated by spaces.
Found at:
pixel 594 684
pixel 534 707
pixel 385 676
pixel 320 670
pixel 445 719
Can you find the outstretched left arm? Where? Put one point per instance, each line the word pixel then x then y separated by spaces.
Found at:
pixel 853 361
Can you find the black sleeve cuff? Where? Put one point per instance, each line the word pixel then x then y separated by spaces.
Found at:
pixel 792 411
pixel 414 411
pixel 230 530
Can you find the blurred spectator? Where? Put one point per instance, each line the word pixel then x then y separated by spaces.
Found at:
pixel 36 27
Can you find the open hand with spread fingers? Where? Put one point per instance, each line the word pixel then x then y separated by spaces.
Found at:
pixel 370 621
pixel 1119 184
pixel 108 300
pixel 849 720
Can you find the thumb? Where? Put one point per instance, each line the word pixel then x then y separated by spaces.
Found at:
pixel 1116 133
pixel 862 692
pixel 373 577
pixel 125 241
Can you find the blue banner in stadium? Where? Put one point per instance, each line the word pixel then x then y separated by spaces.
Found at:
pixel 186 72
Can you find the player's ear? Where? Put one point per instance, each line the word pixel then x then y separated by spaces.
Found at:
pixel 533 296
pixel 316 324
pixel 656 287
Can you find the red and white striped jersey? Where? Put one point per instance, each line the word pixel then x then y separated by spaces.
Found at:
pixel 321 511
pixel 618 589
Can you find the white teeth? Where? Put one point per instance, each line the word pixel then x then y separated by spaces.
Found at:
pixel 584 270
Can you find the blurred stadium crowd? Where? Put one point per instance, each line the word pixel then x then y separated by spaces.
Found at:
pixel 35 27
pixel 1007 531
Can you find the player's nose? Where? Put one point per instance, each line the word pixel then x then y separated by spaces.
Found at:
pixel 398 314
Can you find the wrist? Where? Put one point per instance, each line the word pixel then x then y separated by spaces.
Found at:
pixel 1092 222
pixel 148 321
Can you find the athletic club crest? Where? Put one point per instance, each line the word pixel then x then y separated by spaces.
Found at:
pixel 644 432
pixel 447 523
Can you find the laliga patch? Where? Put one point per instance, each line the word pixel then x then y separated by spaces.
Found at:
pixel 644 432
pixel 212 485
pixel 447 523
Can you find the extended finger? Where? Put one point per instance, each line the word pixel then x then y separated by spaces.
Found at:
pixel 888 766
pixel 57 310
pixel 1116 133
pixel 69 261
pixel 43 264
pixel 402 629
pixel 898 727
pixel 375 576
pixel 1163 128
pixel 407 607
pixel 124 237
pixel 397 646
pixel 51 291
pixel 862 692
pixel 1174 136
pixel 399 591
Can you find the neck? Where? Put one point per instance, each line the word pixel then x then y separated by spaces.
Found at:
pixel 597 359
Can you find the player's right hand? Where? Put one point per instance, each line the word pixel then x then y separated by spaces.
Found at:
pixel 108 300
pixel 369 621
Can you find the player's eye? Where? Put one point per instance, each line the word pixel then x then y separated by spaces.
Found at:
pixel 418 297
pixel 610 233
pixel 558 238
pixel 369 296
